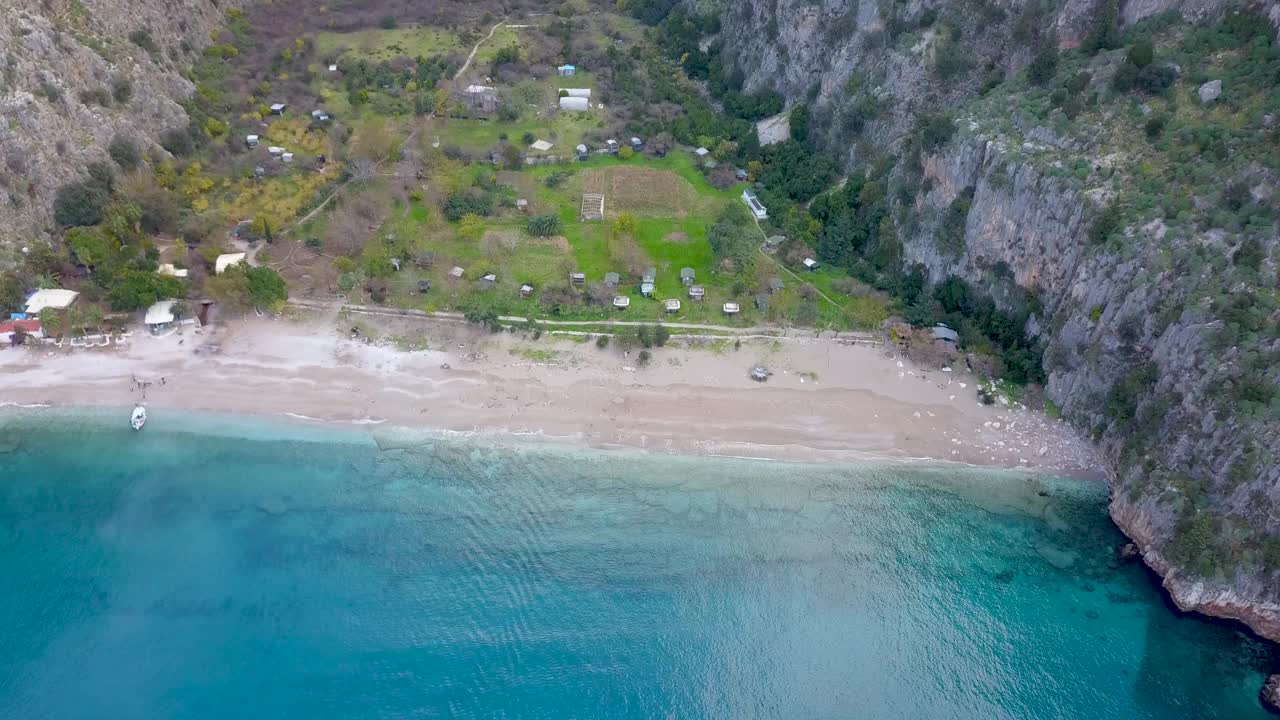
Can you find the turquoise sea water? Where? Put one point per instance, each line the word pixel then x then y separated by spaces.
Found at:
pixel 217 568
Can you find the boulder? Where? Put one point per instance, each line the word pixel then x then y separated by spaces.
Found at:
pixel 1128 552
pixel 1270 694
pixel 1210 91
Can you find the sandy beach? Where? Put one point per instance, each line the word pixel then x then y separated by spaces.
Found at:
pixel 827 401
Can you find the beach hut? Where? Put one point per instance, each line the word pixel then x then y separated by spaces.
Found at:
pixel 575 104
pixel 333 67
pixel 319 115
pixel 456 272
pixel 227 260
pixel 611 279
pixel 697 292
pixel 275 150
pixel 732 308
pixel 577 278
pixel 687 276
pixel 650 276
pixel 775 285
pixel 286 157
pixel 582 151
pixel 622 302
pixel 566 70
pixel 810 264
pixel 160 316
pixel 278 109
pixel 762 302
pixel 672 305
pixel 251 141
pixel 526 290
pixel 646 289
pixel 488 280
pixel 55 298
pixel 740 175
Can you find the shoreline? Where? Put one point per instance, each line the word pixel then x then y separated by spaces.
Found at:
pixel 828 402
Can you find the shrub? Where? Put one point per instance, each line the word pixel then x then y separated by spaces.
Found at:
pixel 125 152
pixel 122 90
pixel 644 358
pixel 544 225
pixel 1043 66
pixel 462 204
pixel 388 22
pixel 79 204
pixel 1107 222
pixel 1141 53
pixel 97 96
pixel 602 341
pixel 1154 126
pixel 142 38
pixel 178 142
pixel 528 138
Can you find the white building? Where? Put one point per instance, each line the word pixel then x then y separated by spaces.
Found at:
pixel 251 140
pixel 160 316
pixel 55 298
pixel 227 260
pixel 278 109
pixel 753 203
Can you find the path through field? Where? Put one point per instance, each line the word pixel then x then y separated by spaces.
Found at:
pixel 476 49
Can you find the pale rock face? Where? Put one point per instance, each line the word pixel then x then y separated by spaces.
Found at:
pixel 1033 225
pixel 51 53
pixel 1210 91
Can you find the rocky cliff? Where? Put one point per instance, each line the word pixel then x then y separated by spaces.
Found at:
pixel 1155 340
pixel 73 74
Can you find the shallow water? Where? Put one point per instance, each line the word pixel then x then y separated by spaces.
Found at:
pixel 216 567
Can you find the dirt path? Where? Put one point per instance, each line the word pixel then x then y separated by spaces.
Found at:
pixel 476 49
pixel 755 331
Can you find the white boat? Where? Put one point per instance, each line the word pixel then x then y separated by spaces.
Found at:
pixel 139 418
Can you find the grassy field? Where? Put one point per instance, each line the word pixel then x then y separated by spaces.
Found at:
pixel 673 205
pixel 375 45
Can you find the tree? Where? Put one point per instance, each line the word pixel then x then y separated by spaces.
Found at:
pixel 731 238
pixel 80 203
pixel 471 227
pixel 266 287
pixel 241 287
pixel 1141 53
pixel 125 152
pixel 626 153
pixel 178 142
pixel 136 289
pixel 1043 66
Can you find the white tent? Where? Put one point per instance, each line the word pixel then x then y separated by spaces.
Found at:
pixel 171 270
pixel 160 314
pixel 577 92
pixel 541 146
pixel 576 104
pixel 227 260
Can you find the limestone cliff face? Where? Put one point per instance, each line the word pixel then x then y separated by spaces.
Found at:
pixel 1106 311
pixel 60 61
